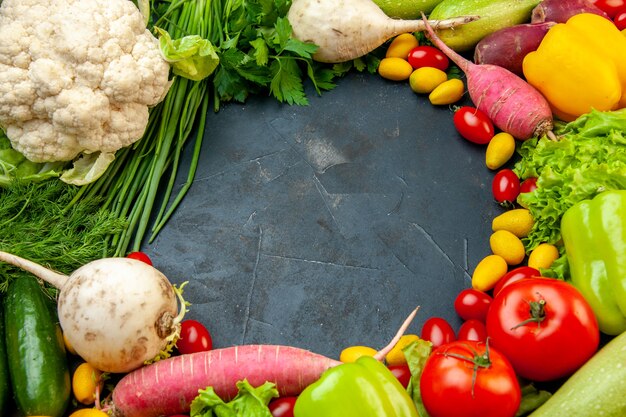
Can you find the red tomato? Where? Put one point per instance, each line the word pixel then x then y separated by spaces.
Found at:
pixel 437 331
pixel 544 326
pixel 428 56
pixel 473 125
pixel 472 304
pixel 472 330
pixel 505 186
pixel 282 406
pixel 470 379
pixel 194 337
pixel 620 19
pixel 610 7
pixel 402 373
pixel 140 256
pixel 515 275
pixel 528 185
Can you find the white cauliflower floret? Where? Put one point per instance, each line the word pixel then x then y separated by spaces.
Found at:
pixel 76 76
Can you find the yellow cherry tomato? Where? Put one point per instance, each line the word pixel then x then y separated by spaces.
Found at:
pixel 508 246
pixel 517 221
pixel 499 150
pixel 89 412
pixel 543 256
pixel 488 272
pixel 352 353
pixel 85 381
pixel 447 92
pixel 425 79
pixel 396 355
pixel 401 45
pixel 395 69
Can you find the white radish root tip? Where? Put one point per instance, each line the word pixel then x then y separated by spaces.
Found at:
pixel 380 355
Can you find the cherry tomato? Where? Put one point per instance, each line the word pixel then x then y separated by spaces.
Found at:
pixel 537 322
pixel 140 256
pixel 473 124
pixel 402 373
pixel 467 378
pixel 505 186
pixel 620 19
pixel 515 275
pixel 428 56
pixel 610 7
pixel 282 406
pixel 194 337
pixel 437 331
pixel 472 330
pixel 528 185
pixel 472 304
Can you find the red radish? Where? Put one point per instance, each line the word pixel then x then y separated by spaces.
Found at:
pixel 559 11
pixel 169 386
pixel 511 103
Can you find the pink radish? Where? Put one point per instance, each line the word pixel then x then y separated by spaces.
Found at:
pixel 512 104
pixel 169 386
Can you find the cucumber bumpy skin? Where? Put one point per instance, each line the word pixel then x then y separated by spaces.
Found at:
pixel 5 386
pixel 494 15
pixel 36 355
pixel 598 388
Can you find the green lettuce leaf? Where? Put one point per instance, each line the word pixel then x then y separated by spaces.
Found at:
pixel 190 56
pixel 249 402
pixel 416 355
pixel 14 165
pixel 589 157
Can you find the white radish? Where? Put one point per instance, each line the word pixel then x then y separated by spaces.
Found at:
pixel 115 312
pixel 348 29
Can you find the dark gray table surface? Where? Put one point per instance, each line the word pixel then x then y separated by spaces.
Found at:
pixel 324 226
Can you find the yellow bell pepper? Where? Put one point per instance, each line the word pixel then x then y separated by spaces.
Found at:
pixel 580 65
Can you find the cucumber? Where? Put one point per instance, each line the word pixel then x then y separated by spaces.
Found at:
pixel 5 386
pixel 598 388
pixel 38 365
pixel 406 9
pixel 494 15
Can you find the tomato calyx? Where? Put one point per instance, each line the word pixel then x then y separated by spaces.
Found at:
pixel 537 313
pixel 477 360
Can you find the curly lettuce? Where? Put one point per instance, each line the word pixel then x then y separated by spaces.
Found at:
pixel 589 157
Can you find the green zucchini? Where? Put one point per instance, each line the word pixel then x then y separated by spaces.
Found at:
pixel 5 386
pixel 38 364
pixel 494 15
pixel 598 388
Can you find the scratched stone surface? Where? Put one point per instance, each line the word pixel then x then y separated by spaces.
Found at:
pixel 324 226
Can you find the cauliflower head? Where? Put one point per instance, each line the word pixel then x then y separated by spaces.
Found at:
pixel 76 76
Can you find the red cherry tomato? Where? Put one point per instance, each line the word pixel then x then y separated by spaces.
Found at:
pixel 505 186
pixel 515 275
pixel 610 7
pixel 473 124
pixel 402 373
pixel 472 304
pixel 194 337
pixel 437 331
pixel 282 406
pixel 528 185
pixel 140 256
pixel 428 56
pixel 620 19
pixel 465 378
pixel 537 322
pixel 472 330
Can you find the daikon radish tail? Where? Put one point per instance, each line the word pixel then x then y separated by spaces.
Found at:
pixel 348 29
pixel 512 104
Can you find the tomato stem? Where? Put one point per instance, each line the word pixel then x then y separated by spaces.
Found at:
pixel 478 361
pixel 537 313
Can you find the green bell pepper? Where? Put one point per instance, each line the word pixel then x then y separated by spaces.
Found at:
pixel 594 235
pixel 365 388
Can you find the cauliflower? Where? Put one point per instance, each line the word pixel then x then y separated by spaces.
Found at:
pixel 76 76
